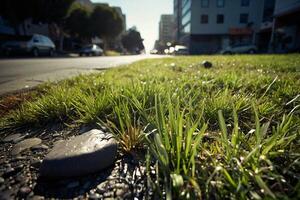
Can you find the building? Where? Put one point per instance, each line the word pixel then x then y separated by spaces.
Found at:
pixel 177 18
pixel 264 35
pixel 207 26
pixel 286 27
pixel 166 29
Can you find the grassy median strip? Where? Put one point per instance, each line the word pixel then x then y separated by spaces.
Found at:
pixel 231 131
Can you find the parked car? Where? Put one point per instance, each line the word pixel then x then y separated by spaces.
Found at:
pixel 91 50
pixel 181 50
pixel 240 48
pixel 35 45
pixel 153 51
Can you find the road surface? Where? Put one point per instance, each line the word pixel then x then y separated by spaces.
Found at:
pixel 17 74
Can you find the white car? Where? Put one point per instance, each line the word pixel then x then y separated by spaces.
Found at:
pixel 91 50
pixel 34 44
pixel 240 48
pixel 181 50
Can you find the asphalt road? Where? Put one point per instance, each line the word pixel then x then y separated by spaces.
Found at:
pixel 18 74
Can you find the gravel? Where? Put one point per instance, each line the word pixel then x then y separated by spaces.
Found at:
pixel 20 178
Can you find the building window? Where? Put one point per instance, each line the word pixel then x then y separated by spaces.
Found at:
pixel 204 19
pixel 220 19
pixel 187 28
pixel 186 7
pixel 220 3
pixel 244 18
pixel 245 3
pixel 186 18
pixel 269 7
pixel 204 3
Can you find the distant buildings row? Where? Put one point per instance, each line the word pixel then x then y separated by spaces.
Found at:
pixel 207 26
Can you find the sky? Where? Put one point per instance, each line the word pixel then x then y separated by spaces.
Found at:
pixel 144 14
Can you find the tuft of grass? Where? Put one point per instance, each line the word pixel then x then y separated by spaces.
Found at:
pixel 128 130
pixel 175 144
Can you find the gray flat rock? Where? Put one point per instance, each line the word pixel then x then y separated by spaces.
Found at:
pixel 80 155
pixel 25 144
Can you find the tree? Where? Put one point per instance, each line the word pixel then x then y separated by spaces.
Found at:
pixel 79 24
pixel 46 11
pixel 132 41
pixel 53 11
pixel 106 23
pixel 16 12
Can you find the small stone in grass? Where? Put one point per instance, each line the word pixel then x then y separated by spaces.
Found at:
pixel 207 64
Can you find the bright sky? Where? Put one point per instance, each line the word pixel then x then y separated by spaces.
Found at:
pixel 144 14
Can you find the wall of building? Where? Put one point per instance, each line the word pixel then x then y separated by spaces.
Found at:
pixel 231 11
pixel 283 35
pixel 177 18
pixel 286 31
pixel 212 36
pixel 166 28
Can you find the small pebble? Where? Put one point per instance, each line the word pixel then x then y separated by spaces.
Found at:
pixel 24 191
pixel 40 147
pixel 108 194
pixel 9 172
pixel 120 192
pixel 56 135
pixel 2 187
pixel 36 197
pixel 21 179
pixel 18 158
pixel 101 188
pixel 36 163
pixel 15 138
pixel 94 196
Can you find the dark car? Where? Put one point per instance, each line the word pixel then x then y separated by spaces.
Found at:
pixel 35 45
pixel 91 50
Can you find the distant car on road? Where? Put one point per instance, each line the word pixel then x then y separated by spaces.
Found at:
pixel 91 50
pixel 181 50
pixel 153 51
pixel 35 45
pixel 240 48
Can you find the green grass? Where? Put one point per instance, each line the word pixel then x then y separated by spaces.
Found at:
pixel 229 132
